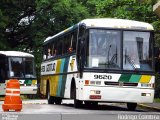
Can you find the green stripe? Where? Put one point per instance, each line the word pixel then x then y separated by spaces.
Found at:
pixel 125 78
pixel 64 77
pixel 28 82
pixel 135 78
pixel 60 81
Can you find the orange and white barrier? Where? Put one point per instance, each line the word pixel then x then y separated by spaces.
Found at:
pixel 12 99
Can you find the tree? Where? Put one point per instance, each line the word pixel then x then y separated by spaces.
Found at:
pixel 3 24
pixel 14 31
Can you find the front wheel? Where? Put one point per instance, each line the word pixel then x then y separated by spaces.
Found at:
pixel 77 103
pixel 131 106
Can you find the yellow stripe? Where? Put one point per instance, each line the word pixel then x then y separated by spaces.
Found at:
pixel 145 79
pixel 58 66
pixel 54 80
pixel 43 84
pixel 34 82
pixel 54 85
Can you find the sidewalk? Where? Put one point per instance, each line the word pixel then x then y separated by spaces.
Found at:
pixel 153 106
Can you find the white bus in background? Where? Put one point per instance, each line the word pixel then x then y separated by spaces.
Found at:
pixel 100 60
pixel 18 65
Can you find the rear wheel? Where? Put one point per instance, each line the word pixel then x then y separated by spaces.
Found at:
pixel 131 106
pixel 30 96
pixel 94 103
pixel 91 103
pixel 58 100
pixel 50 98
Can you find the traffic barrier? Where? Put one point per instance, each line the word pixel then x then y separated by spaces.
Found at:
pixel 12 99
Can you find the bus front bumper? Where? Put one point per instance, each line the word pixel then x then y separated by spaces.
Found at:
pixel 117 94
pixel 28 90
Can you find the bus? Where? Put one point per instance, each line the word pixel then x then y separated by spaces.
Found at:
pixel 20 66
pixel 100 60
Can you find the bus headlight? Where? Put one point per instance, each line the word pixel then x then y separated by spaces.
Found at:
pixel 146 94
pixel 93 92
pixel 147 85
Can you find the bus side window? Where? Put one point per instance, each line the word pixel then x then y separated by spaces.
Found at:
pixel 49 53
pixel 74 42
pixel 70 49
pixel 62 42
pixel 66 44
pixel 68 38
pixel 59 46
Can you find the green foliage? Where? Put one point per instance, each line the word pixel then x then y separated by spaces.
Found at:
pixel 157 86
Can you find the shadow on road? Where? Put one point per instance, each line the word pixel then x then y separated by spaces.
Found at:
pixel 105 107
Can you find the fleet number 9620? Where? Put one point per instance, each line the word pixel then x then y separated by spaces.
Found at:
pixel 109 77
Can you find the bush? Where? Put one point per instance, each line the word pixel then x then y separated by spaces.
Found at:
pixel 157 86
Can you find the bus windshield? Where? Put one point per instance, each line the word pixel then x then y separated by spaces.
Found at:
pixel 105 48
pixel 21 67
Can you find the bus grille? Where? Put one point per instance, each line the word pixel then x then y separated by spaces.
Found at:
pixel 120 83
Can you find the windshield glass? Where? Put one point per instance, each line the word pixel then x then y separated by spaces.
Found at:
pixel 104 50
pixel 137 51
pixel 21 67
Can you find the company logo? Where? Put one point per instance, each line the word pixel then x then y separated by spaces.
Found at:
pixel 48 67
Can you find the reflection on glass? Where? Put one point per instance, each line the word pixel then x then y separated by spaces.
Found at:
pixel 104 49
pixel 137 51
pixel 21 67
pixel 16 67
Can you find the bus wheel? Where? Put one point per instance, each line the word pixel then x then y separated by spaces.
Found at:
pixel 50 98
pixel 91 103
pixel 30 96
pixel 58 100
pixel 77 103
pixel 131 106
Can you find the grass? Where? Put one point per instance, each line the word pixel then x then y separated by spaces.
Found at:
pixel 157 100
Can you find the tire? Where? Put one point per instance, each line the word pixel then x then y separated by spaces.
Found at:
pixel 94 103
pixel 77 103
pixel 58 100
pixel 50 99
pixel 91 103
pixel 131 106
pixel 30 96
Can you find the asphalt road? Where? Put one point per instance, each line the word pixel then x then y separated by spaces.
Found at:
pixel 40 110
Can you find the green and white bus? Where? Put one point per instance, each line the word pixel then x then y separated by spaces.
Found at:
pixel 20 66
pixel 100 60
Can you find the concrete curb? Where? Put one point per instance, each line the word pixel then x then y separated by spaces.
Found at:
pixel 148 107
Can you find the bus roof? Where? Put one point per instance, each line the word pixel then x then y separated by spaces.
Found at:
pixel 15 53
pixel 108 23
pixel 117 23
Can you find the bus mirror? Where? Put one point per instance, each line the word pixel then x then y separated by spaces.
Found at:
pixel 11 74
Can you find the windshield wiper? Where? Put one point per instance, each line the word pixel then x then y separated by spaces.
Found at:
pixel 108 62
pixel 130 61
pixel 114 57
